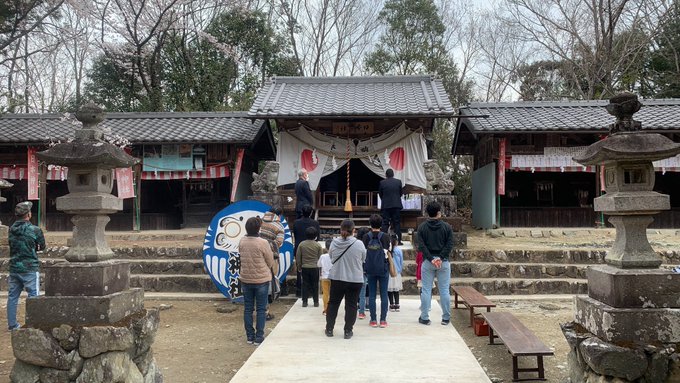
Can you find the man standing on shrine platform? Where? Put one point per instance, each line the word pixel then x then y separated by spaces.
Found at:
pixel 390 191
pixel 303 194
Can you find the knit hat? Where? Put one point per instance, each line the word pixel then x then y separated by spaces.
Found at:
pixel 23 208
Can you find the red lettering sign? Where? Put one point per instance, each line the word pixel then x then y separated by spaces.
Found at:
pixel 124 182
pixel 501 166
pixel 33 176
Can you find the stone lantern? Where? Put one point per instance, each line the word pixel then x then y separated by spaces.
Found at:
pixel 3 229
pixel 629 324
pixel 90 326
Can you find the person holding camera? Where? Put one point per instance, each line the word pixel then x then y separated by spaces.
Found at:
pixel 435 240
pixel 25 239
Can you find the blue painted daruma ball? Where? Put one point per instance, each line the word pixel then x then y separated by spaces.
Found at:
pixel 221 257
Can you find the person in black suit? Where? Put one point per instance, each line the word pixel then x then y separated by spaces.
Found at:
pixel 299 229
pixel 303 194
pixel 390 191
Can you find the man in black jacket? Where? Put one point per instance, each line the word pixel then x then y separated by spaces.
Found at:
pixel 435 240
pixel 390 191
pixel 299 228
pixel 303 194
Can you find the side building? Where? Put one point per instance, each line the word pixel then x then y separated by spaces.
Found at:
pixel 523 172
pixel 191 165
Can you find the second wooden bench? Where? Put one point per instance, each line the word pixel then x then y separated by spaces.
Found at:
pixel 519 340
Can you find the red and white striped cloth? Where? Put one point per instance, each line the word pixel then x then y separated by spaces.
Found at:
pixel 57 173
pixel 585 169
pixel 210 172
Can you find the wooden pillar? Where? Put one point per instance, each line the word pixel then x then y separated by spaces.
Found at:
pixel 42 196
pixel 184 204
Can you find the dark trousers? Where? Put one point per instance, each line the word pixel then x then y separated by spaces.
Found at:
pixel 394 297
pixel 310 284
pixel 339 290
pixel 391 216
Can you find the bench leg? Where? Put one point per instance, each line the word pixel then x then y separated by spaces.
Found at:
pixel 455 300
pixel 491 336
pixel 516 370
pixel 472 316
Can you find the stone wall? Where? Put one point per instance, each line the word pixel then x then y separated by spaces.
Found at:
pixel 94 354
pixel 593 360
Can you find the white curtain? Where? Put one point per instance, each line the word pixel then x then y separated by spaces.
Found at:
pixel 401 149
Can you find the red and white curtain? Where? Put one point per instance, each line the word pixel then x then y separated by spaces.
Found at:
pixel 401 150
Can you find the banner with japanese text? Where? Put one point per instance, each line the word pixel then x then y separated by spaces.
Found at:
pixel 33 175
pixel 124 183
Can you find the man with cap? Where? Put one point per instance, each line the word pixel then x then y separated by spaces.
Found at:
pixel 24 240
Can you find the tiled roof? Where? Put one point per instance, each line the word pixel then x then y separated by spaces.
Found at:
pixel 541 116
pixel 196 127
pixel 327 97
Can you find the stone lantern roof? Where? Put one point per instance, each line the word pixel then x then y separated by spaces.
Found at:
pixel 625 141
pixel 624 146
pixel 89 147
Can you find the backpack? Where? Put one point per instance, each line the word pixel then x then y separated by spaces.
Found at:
pixel 376 264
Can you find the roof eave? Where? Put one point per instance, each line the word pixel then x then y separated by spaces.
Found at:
pixel 351 116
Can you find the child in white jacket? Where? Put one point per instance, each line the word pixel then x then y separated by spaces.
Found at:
pixel 325 264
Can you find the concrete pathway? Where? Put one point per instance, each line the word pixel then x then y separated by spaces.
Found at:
pixel 298 351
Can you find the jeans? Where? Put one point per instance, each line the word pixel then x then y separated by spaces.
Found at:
pixel 392 216
pixel 373 281
pixel 350 292
pixel 362 296
pixel 310 284
pixel 255 297
pixel 443 275
pixel 17 283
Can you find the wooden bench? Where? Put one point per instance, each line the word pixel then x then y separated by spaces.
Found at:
pixel 519 340
pixel 471 298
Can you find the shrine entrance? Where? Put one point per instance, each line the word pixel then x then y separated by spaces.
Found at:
pixel 332 190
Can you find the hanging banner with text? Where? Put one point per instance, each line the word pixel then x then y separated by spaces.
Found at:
pixel 33 175
pixel 124 183
pixel 501 166
pixel 237 173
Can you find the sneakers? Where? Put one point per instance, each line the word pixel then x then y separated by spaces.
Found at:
pixel 445 322
pixel 304 304
pixel 250 341
pixel 396 308
pixel 392 307
pixel 329 333
pixel 316 304
pixel 257 342
pixel 269 316
pixel 348 334
pixel 373 323
pixel 362 316
pixel 383 324
pixel 423 321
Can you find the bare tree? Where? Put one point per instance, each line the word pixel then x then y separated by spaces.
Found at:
pixel 329 37
pixel 23 18
pixel 586 36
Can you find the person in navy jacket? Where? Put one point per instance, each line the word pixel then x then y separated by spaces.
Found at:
pixel 390 191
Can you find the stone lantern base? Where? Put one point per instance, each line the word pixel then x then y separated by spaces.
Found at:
pixel 120 352
pixel 628 327
pixel 89 327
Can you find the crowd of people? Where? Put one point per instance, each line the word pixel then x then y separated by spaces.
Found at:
pixel 357 267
